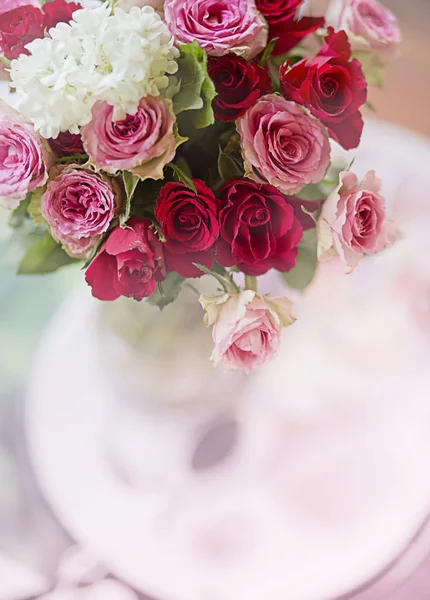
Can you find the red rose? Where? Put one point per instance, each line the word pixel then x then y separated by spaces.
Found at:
pixel 239 84
pixel 281 17
pixel 332 87
pixel 258 228
pixel 129 263
pixel 19 27
pixel 189 223
pixel 67 144
pixel 59 11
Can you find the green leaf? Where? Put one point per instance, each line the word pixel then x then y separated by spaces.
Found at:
pixel 167 291
pixel 303 273
pixel 44 256
pixel 72 158
pixel 311 192
pixel 182 176
pixel 130 183
pixel 268 52
pixel 34 206
pixel 197 89
pixel 18 216
pixel 370 106
pixel 5 61
pixel 228 167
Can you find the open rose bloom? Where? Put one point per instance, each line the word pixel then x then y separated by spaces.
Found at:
pixel 160 141
pixel 353 221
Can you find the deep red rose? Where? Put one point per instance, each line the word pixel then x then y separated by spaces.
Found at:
pixel 258 228
pixel 281 17
pixel 332 87
pixel 239 84
pixel 67 144
pixel 130 263
pixel 19 27
pixel 59 11
pixel 189 223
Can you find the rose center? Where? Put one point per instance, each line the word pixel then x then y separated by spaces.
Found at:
pixel 329 86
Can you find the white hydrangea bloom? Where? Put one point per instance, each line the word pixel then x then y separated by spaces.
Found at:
pixel 119 58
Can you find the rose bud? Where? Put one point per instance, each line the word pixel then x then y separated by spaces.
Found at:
pixel 353 222
pixel 189 224
pixel 130 263
pixel 283 145
pixel 258 228
pixel 246 328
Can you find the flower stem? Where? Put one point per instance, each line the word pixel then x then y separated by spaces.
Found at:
pixel 251 283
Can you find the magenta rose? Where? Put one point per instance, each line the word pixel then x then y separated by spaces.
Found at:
pixel 143 143
pixel 59 11
pixel 238 83
pixel 67 143
pixel 258 228
pixel 246 328
pixel 79 206
pixel 130 263
pixel 189 223
pixel 353 222
pixel 283 145
pixel 6 5
pixel 24 158
pixel 370 26
pixel 219 26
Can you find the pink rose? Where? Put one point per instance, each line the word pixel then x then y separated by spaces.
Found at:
pixel 219 26
pixel 282 144
pixel 7 5
pixel 79 206
pixel 373 27
pixel 143 143
pixel 246 328
pixel 24 158
pixel 352 221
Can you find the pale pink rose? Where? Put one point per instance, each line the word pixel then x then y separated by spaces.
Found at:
pixel 25 157
pixel 282 144
pixel 370 26
pixel 79 206
pixel 246 328
pixel 219 26
pixel 353 221
pixel 143 143
pixel 6 5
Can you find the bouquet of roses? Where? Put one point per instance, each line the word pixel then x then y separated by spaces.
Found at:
pixel 157 142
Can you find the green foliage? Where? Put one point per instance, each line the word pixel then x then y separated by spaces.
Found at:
pixel 303 273
pixel 19 215
pixel 197 89
pixel 183 176
pixel 268 52
pixel 228 166
pixel 167 291
pixel 44 256
pixel 130 183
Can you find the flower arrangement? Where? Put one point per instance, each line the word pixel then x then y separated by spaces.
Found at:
pixel 158 142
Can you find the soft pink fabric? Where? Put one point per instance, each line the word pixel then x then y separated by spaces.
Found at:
pixel 246 328
pixel 375 25
pixel 282 144
pixel 144 142
pixel 6 5
pixel 219 26
pixel 352 221
pixel 24 158
pixel 79 206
